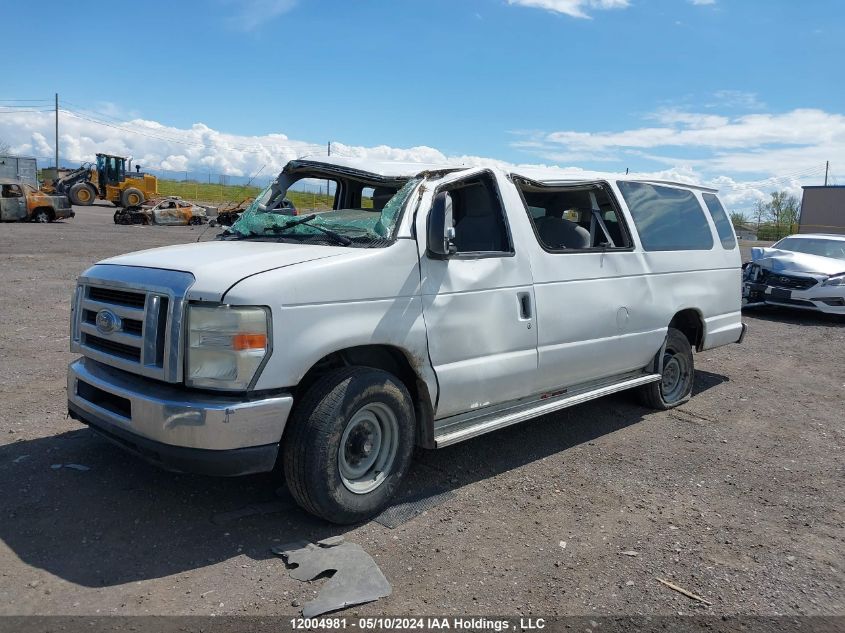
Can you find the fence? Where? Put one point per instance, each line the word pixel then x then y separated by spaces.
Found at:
pixel 773 232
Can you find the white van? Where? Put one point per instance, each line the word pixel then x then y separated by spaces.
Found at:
pixel 412 306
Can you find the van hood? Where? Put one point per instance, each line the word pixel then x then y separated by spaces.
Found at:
pixel 217 266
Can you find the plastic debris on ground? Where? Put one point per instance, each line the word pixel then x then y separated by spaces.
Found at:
pixel 356 578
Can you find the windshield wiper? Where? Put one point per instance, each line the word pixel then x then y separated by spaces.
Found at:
pixel 234 235
pixel 286 227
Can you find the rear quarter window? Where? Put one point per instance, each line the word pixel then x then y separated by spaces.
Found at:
pixel 667 219
pixel 721 220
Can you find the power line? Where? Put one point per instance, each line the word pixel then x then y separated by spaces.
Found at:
pixel 774 180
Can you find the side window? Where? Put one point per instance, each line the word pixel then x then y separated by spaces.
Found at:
pixel 363 196
pixel 12 191
pixel 313 195
pixel 574 218
pixel 667 218
pixel 478 217
pixel 367 197
pixel 721 220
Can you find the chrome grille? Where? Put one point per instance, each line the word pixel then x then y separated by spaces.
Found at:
pixel 117 297
pixel 790 282
pixel 131 318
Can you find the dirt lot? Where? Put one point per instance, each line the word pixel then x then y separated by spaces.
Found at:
pixel 737 496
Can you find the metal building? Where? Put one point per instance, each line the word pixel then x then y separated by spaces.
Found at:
pixel 20 168
pixel 823 210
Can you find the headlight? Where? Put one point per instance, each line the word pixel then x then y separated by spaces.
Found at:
pixel 836 280
pixel 226 345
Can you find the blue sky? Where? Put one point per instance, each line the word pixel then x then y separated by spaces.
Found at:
pixel 732 91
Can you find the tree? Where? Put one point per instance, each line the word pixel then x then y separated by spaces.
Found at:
pixel 784 210
pixel 761 210
pixel 738 218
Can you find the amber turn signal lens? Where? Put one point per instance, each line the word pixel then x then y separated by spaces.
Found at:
pixel 242 342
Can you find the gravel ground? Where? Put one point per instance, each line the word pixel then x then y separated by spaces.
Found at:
pixel 736 496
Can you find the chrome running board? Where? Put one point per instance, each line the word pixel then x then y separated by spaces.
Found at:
pixel 467 425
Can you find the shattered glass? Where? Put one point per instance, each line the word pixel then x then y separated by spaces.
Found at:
pixel 261 218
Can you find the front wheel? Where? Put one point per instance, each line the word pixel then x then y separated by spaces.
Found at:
pixel 675 386
pixel 349 444
pixel 42 215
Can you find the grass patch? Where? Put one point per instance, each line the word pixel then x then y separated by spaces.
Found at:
pixel 220 194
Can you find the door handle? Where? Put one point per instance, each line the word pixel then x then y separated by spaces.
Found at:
pixel 524 299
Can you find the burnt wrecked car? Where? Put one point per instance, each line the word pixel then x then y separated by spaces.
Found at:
pixel 20 202
pixel 169 212
pixel 800 271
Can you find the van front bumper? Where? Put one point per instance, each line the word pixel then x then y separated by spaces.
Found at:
pixel 176 428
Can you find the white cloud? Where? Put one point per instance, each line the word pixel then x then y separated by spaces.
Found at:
pixel 703 2
pixel 736 99
pixel 769 150
pixel 198 148
pixel 802 128
pixel 572 8
pixel 745 156
pixel 251 14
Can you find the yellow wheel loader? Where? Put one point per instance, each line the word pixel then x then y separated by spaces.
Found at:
pixel 107 179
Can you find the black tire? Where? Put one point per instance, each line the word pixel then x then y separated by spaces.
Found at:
pixel 42 215
pixel 131 197
pixel 82 194
pixel 331 410
pixel 679 372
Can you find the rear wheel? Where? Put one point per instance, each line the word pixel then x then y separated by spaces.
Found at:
pixel 131 197
pixel 349 444
pixel 82 194
pixel 675 387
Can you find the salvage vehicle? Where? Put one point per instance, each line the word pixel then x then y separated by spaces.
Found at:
pixel 20 202
pixel 168 212
pixel 464 300
pixel 804 271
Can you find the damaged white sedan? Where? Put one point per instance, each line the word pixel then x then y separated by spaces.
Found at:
pixel 800 271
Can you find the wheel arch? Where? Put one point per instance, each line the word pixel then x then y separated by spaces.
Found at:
pixel 690 321
pixel 51 212
pixel 391 359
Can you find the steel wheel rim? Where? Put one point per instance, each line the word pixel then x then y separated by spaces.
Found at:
pixel 676 374
pixel 368 448
pixel 42 217
pixel 84 195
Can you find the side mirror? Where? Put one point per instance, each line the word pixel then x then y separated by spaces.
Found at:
pixel 441 232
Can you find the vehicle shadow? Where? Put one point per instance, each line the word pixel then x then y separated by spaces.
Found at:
pixel 123 520
pixel 705 380
pixel 794 316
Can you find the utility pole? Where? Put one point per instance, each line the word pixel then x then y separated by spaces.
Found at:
pixel 57 135
pixel 826 170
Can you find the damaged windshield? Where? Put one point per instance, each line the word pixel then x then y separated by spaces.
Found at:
pixel 813 246
pixel 372 223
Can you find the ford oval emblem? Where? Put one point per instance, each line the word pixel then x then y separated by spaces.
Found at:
pixel 107 322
